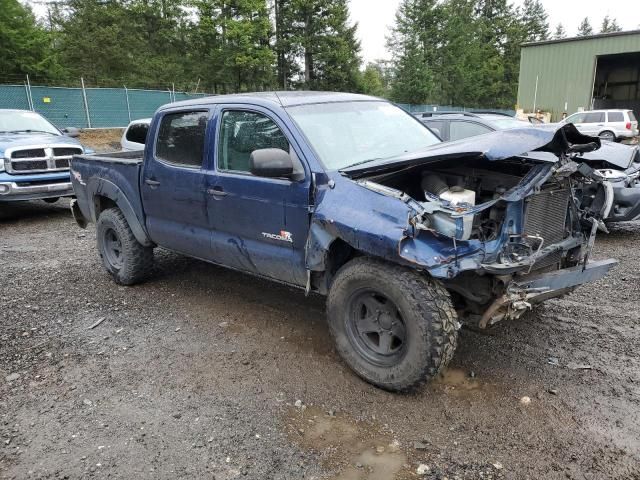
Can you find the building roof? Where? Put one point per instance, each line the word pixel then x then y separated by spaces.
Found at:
pixel 581 39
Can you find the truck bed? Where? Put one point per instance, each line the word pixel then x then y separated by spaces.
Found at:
pixel 115 157
pixel 117 172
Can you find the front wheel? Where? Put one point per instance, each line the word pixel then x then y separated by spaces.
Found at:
pixel 395 327
pixel 122 255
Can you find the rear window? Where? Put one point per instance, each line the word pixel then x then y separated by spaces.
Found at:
pixel 632 116
pixel 181 138
pixel 616 117
pixel 138 133
pixel 594 117
pixel 460 130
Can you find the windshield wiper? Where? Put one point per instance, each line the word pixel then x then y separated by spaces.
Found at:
pixel 29 131
pixel 365 161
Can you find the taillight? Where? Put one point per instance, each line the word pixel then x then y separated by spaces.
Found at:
pixel 628 125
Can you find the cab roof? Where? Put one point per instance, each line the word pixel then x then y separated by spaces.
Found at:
pixel 283 99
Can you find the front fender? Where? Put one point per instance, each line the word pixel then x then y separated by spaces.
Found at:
pixel 375 224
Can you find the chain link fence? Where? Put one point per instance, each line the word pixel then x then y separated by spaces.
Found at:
pixel 448 108
pixel 88 107
pixel 100 107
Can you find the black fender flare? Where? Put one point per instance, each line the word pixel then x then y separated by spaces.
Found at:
pixel 99 187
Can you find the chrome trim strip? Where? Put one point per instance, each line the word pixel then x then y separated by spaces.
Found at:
pixel 16 189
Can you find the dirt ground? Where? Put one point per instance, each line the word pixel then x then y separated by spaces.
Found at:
pixel 202 372
pixel 103 139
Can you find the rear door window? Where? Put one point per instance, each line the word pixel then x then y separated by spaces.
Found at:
pixel 181 138
pixel 594 117
pixel 462 129
pixel 138 133
pixel 615 117
pixel 632 116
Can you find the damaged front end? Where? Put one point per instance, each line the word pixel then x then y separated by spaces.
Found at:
pixel 502 230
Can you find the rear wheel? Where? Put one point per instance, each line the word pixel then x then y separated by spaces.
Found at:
pixel 51 200
pixel 122 255
pixel 607 135
pixel 393 326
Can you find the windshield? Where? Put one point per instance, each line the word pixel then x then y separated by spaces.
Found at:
pixel 507 123
pixel 16 121
pixel 350 133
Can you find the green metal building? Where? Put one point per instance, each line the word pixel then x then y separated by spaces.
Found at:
pixel 567 75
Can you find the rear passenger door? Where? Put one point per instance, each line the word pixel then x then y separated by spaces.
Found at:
pixel 593 123
pixel 173 183
pixel 615 122
pixel 259 225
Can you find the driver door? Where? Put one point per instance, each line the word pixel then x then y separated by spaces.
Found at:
pixel 259 225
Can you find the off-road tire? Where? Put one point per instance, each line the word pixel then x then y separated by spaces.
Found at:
pixel 426 309
pixel 137 259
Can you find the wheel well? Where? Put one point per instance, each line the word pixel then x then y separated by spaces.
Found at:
pixel 101 203
pixel 339 253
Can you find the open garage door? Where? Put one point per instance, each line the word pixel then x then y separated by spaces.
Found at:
pixel 617 82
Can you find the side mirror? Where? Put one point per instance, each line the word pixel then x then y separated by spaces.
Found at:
pixel 71 132
pixel 271 162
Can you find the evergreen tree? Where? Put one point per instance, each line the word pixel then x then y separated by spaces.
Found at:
pixel 535 21
pixel 585 29
pixel 610 25
pixel 25 46
pixel 413 44
pixel 232 39
pixel 560 32
pixel 317 35
pixel 101 42
pixel 375 80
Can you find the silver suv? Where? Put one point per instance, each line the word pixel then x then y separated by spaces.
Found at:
pixel 609 125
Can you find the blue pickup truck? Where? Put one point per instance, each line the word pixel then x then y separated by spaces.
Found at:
pixel 34 157
pixel 351 197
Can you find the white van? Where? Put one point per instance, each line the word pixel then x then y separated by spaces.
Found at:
pixel 612 125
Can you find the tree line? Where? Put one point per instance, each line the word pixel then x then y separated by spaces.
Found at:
pixel 457 52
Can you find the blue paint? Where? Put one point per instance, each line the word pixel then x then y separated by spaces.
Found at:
pixel 24 140
pixel 323 207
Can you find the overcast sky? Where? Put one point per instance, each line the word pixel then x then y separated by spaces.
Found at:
pixel 374 18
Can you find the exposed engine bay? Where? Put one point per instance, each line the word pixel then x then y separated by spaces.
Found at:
pixel 507 221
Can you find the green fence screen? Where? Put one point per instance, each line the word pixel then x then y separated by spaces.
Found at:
pixel 116 107
pixel 103 108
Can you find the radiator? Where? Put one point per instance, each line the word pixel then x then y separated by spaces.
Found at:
pixel 545 216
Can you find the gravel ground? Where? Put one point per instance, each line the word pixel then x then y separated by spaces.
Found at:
pixel 202 372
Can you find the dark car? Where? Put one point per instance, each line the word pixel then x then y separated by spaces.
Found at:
pixel 351 197
pixel 620 164
pixel 451 126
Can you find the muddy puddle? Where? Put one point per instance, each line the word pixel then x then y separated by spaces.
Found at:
pixel 355 450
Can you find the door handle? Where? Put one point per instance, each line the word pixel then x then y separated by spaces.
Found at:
pixel 151 183
pixel 216 192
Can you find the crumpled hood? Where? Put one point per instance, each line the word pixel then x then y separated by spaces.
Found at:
pixel 10 140
pixel 616 154
pixel 539 144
